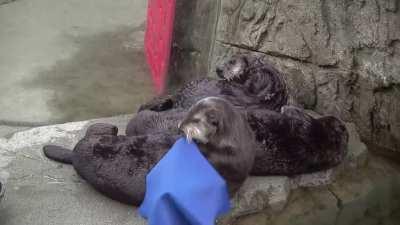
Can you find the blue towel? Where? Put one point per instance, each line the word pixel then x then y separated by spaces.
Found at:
pixel 184 189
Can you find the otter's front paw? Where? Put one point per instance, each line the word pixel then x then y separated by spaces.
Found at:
pixel 105 146
pixel 158 104
pixel 101 129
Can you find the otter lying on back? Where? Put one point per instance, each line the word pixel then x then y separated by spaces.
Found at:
pixel 117 165
pixel 292 142
pixel 245 81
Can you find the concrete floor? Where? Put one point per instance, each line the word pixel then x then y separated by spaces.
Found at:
pixel 70 60
pixel 62 61
pixel 43 192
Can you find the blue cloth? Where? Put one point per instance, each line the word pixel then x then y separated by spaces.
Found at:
pixel 184 189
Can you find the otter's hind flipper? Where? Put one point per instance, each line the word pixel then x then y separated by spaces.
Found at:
pixel 58 153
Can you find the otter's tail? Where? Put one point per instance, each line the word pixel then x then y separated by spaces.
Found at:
pixel 58 153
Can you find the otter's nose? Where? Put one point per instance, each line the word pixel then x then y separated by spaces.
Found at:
pixel 219 72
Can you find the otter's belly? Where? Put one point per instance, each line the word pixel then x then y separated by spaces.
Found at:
pixel 117 166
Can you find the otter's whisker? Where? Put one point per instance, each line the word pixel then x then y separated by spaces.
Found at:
pixel 189 135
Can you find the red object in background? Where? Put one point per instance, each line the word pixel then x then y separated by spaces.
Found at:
pixel 158 39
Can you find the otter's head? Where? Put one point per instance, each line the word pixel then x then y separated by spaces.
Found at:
pixel 234 69
pixel 206 119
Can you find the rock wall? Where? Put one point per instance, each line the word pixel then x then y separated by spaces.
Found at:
pixel 194 30
pixel 340 57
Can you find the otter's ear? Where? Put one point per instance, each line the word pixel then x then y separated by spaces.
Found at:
pixel 245 60
pixel 220 72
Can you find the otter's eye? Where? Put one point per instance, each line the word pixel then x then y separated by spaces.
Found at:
pixel 231 62
pixel 212 119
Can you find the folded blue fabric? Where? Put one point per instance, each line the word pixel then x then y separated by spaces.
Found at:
pixel 184 189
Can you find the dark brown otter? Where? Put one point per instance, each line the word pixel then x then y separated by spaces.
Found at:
pixel 292 142
pixel 224 137
pixel 245 81
pixel 117 165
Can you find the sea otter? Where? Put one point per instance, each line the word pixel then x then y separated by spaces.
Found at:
pixel 224 137
pixel 292 142
pixel 289 142
pixel 117 165
pixel 246 81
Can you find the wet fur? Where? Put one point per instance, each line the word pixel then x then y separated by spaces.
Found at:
pixel 227 140
pixel 246 81
pixel 289 142
pixel 292 142
pixel 115 165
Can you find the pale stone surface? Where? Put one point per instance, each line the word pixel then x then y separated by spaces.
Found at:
pixel 372 193
pixel 40 191
pixel 314 179
pixel 357 155
pixel 259 193
pixel 7 131
pixel 309 206
pixel 361 196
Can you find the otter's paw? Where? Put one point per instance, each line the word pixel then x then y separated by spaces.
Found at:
pixel 158 104
pixel 295 112
pixel 105 146
pixel 101 129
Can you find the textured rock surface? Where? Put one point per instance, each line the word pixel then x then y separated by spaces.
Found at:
pixel 367 195
pixel 272 193
pixel 191 48
pixel 340 57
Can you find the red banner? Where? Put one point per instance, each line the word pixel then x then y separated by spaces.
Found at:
pixel 158 39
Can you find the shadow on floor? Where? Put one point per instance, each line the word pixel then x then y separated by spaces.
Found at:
pixel 107 76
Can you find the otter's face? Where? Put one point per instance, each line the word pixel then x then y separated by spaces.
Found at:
pixel 233 69
pixel 201 123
